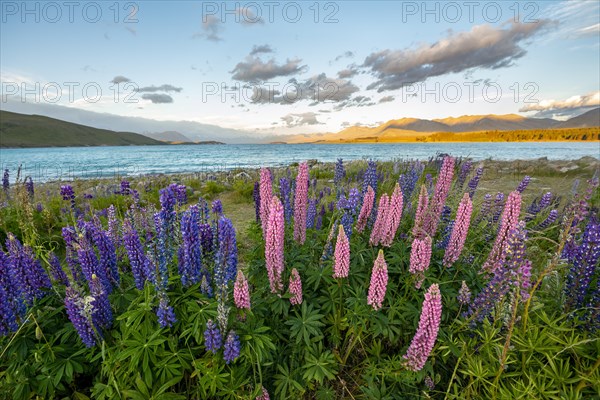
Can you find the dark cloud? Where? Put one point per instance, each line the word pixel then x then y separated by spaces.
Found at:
pixel 318 89
pixel 212 28
pixel 307 118
pixel 161 88
pixel 253 69
pixel 386 99
pixel 120 79
pixel 484 46
pixel 356 101
pixel 564 108
pixel 265 48
pixel 158 98
pixel 346 54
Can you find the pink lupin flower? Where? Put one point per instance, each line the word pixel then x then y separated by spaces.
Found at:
pixel 295 288
pixel 264 395
pixel 393 217
pixel 508 222
pixel 379 280
pixel 266 192
pixel 460 230
pixel 274 242
pixel 420 257
pixel 429 325
pixel 301 203
pixel 377 232
pixel 241 293
pixel 442 188
pixel 422 206
pixel 366 209
pixel 341 264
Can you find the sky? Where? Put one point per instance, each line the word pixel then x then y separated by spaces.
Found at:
pixel 301 67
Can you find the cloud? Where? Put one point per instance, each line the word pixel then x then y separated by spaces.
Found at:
pixel 592 30
pixel 484 46
pixel 307 118
pixel 570 106
pixel 346 54
pixel 319 88
pixel 120 79
pixel 386 99
pixel 212 29
pixel 357 101
pixel 158 98
pixel 212 26
pixel 347 73
pixel 253 69
pixel 161 88
pixel 265 48
pixel 578 19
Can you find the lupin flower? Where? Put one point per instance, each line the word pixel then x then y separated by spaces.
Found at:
pixel 256 197
pixel 484 211
pixel 464 171
pixel 217 208
pixel 498 207
pixel 370 178
pixel 67 193
pixel 29 187
pixel 10 306
pixel 300 203
pixel 550 219
pixel 408 181
pixel 232 347
pixel 102 315
pixel 285 190
pixel 58 274
pixel 266 192
pixel 341 264
pixel 392 217
pixel 264 395
pixel 295 287
pixel 366 209
pixel 459 231
pixel 241 293
pixel 339 172
pixel 79 311
pixel 524 183
pixel 510 218
pixel 379 280
pixel 511 272
pixel 89 261
pixel 190 262
pixel 474 182
pixel 5 181
pixel 135 253
pixel 212 337
pixel 274 245
pixel 107 255
pixel 113 226
pixel 426 335
pixel 422 207
pixel 226 258
pixel 311 213
pixel 27 274
pixel 420 258
pixel 379 226
pixel 442 188
pixel 464 294
pixel 165 313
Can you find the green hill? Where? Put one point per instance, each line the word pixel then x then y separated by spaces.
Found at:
pixel 21 130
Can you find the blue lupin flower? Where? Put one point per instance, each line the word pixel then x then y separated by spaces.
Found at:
pixel 102 315
pixel 190 259
pixel 165 313
pixel 311 213
pixel 79 312
pixel 212 337
pixel 58 274
pixel 135 253
pixel 226 257
pixel 474 182
pixel 232 347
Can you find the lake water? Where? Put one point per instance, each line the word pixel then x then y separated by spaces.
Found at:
pixel 44 164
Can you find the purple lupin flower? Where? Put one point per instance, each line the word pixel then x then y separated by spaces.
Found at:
pixel 474 182
pixel 464 294
pixel 89 261
pixel 311 214
pixel 256 198
pixel 102 315
pixel 212 337
pixel 190 262
pixel 550 219
pixel 135 253
pixel 464 171
pixel 26 271
pixel 79 311
pixel 58 274
pixel 226 257
pixel 8 297
pixel 67 193
pixel 165 313
pixel 524 183
pixel 70 237
pixel 29 187
pixel 370 178
pixel 107 256
pixel 339 172
pixel 285 190
pixel 442 188
pixel 5 181
pixel 232 347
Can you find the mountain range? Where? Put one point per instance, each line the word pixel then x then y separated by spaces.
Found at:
pixel 409 129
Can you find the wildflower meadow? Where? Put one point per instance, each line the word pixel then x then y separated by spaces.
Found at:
pixel 365 280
